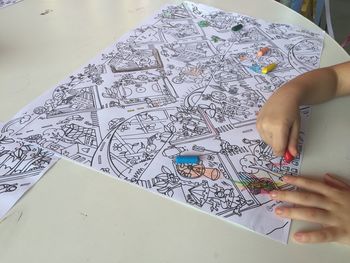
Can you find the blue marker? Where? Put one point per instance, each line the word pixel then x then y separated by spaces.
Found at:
pixel 187 159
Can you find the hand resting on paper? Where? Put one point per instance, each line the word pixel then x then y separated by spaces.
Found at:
pixel 326 203
pixel 278 123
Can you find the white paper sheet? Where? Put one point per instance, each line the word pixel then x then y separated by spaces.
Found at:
pixel 21 166
pixel 171 87
pixel 6 3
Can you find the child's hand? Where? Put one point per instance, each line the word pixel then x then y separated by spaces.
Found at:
pixel 326 203
pixel 278 122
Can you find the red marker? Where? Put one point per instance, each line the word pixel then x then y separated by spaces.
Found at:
pixel 288 157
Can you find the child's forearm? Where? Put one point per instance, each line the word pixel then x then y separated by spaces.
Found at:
pixel 318 85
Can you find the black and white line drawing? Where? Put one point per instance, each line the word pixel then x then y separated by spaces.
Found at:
pixel 6 3
pixel 21 166
pixel 181 83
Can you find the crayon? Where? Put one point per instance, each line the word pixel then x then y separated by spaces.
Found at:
pixel 268 68
pixel 262 51
pixel 203 23
pixel 288 157
pixel 237 27
pixel 187 159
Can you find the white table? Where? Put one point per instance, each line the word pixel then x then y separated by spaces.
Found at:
pixel 77 215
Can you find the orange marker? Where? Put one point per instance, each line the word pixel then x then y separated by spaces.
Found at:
pixel 268 68
pixel 262 51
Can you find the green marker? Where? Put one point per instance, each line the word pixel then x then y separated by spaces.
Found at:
pixel 237 27
pixel 203 23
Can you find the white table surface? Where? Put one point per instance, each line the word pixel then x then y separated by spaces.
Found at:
pixel 77 215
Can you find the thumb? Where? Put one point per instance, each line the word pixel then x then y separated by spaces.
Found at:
pixel 293 138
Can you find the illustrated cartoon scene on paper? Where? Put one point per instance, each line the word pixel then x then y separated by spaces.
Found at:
pixel 21 166
pixel 184 83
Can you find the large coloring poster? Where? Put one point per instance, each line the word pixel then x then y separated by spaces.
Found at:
pixel 21 166
pixel 182 83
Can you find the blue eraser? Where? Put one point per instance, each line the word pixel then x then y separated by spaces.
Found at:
pixel 187 159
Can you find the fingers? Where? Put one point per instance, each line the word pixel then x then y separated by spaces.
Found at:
pixel 280 136
pixel 309 184
pixel 314 215
pixel 327 234
pixel 293 138
pixel 277 137
pixel 265 134
pixel 302 198
pixel 280 140
pixel 334 182
pixel 325 203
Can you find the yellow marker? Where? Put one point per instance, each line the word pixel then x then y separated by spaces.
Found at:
pixel 268 68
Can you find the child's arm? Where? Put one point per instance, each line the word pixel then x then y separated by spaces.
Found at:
pixel 278 120
pixel 327 202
